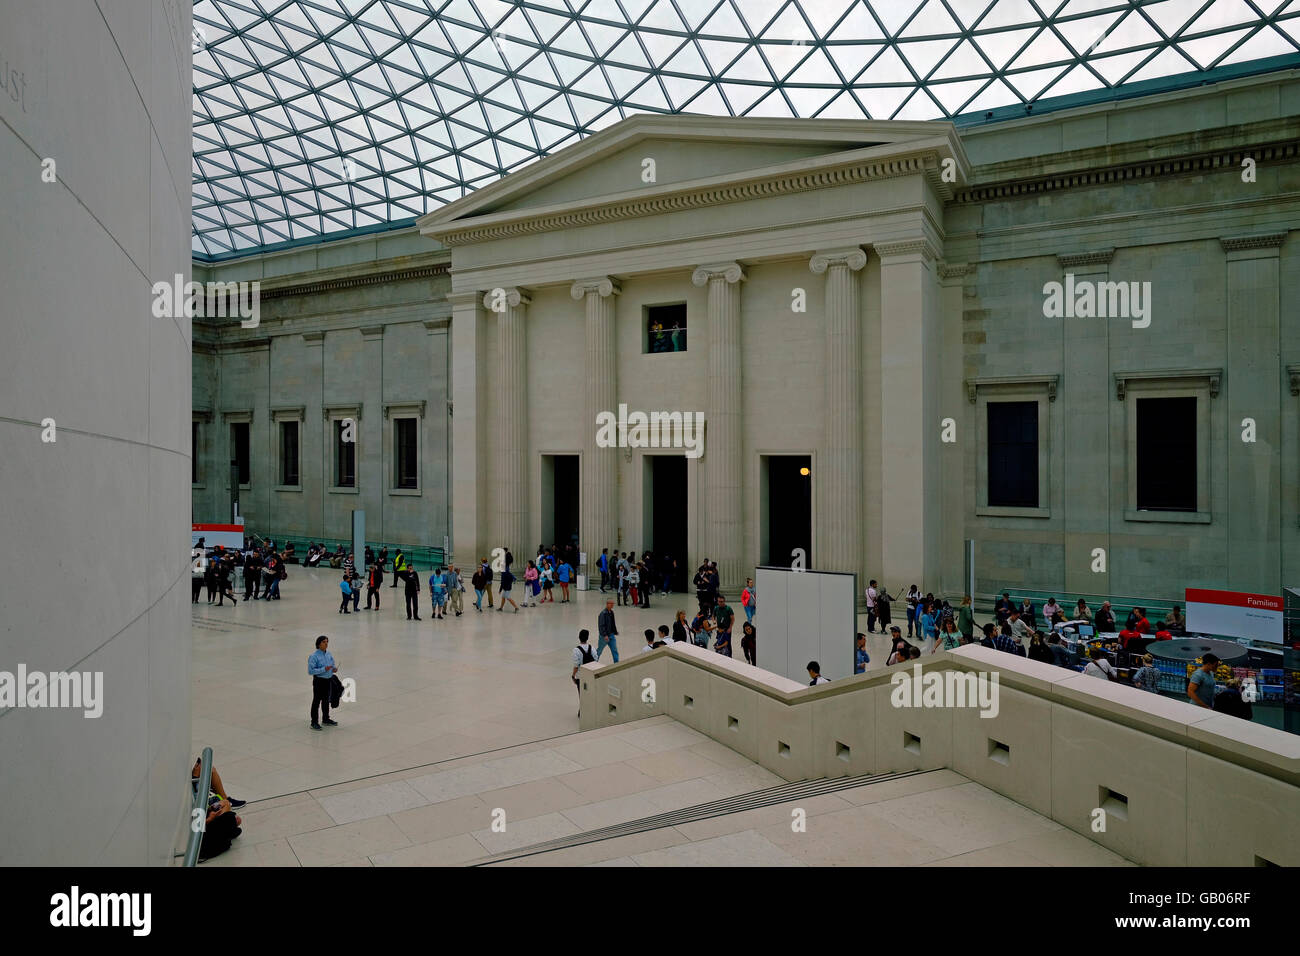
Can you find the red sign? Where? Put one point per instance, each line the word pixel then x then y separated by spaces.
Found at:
pixel 1262 602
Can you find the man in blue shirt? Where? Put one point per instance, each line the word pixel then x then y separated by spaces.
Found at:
pixel 860 658
pixel 603 564
pixel 320 665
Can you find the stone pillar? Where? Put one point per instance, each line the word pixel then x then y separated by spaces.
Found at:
pixel 840 537
pixel 509 484
pixel 599 505
pixel 469 427
pixel 722 531
pixel 909 405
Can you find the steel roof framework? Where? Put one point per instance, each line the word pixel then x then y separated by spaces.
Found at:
pixel 314 118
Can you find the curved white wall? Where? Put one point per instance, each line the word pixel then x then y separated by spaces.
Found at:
pixel 93 572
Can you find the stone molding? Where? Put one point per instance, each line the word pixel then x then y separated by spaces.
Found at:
pixel 956 270
pixel 855 172
pixel 602 285
pixel 973 385
pixel 907 247
pixel 352 410
pixel 287 413
pixel 391 408
pixel 853 257
pixel 1216 161
pixel 1268 240
pixel 514 297
pixel 332 285
pixel 372 332
pixel 1098 257
pixel 730 271
pixel 314 338
pixel 1213 376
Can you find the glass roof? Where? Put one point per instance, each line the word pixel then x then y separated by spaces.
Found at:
pixel 314 118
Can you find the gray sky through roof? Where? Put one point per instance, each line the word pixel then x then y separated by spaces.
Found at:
pixel 317 117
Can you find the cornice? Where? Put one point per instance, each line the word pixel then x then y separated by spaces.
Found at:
pixel 1048 382
pixel 1214 161
pixel 1073 260
pixel 352 282
pixel 859 171
pixel 1211 376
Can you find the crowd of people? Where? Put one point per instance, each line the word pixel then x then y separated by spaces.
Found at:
pixel 214 568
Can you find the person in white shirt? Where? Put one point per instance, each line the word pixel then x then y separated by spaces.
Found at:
pixel 1019 629
pixel 581 655
pixel 1100 666
pixel 815 672
pixel 871 606
pixel 649 640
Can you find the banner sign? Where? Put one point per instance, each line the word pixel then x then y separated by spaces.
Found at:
pixel 1235 614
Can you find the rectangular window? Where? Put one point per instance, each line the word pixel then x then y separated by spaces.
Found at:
pixel 666 328
pixel 1166 454
pixel 404 440
pixel 1013 454
pixel 194 453
pixel 345 453
pixel 288 453
pixel 239 448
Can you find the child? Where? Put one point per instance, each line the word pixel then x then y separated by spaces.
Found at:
pixel 547 574
pixel 531 586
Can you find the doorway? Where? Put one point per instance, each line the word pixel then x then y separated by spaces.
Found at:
pixel 560 500
pixel 785 493
pixel 664 518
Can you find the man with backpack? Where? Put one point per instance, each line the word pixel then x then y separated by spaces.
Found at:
pixel 581 655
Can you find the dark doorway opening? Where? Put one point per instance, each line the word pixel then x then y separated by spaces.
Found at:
pixel 560 492
pixel 666 493
pixel 788 512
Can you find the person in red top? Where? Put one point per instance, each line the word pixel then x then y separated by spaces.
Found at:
pixel 1143 626
pixel 1127 635
pixel 1163 635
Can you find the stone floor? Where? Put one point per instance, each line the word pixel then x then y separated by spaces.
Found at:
pixel 457 718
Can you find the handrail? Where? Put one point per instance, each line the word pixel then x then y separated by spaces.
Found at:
pixel 201 804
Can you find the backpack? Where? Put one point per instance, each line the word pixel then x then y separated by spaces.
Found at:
pixel 587 656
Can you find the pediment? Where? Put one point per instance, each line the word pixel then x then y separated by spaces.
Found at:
pixel 688 153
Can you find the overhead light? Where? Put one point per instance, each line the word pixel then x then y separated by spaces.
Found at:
pixel 805 471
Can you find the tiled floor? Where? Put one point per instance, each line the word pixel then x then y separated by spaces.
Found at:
pixel 462 722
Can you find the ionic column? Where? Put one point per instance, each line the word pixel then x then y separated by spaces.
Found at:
pixel 509 483
pixel 722 531
pixel 840 538
pixel 599 505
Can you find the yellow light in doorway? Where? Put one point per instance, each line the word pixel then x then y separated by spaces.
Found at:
pixel 805 471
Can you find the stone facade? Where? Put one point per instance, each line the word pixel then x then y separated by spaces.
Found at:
pixel 356 330
pixel 921 253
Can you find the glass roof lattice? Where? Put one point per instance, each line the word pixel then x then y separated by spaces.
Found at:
pixel 319 118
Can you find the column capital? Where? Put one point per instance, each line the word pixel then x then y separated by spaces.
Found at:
pixel 730 271
pixel 907 247
pixel 601 285
pixel 496 300
pixel 823 259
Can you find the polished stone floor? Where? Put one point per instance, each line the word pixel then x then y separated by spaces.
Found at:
pixel 457 718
